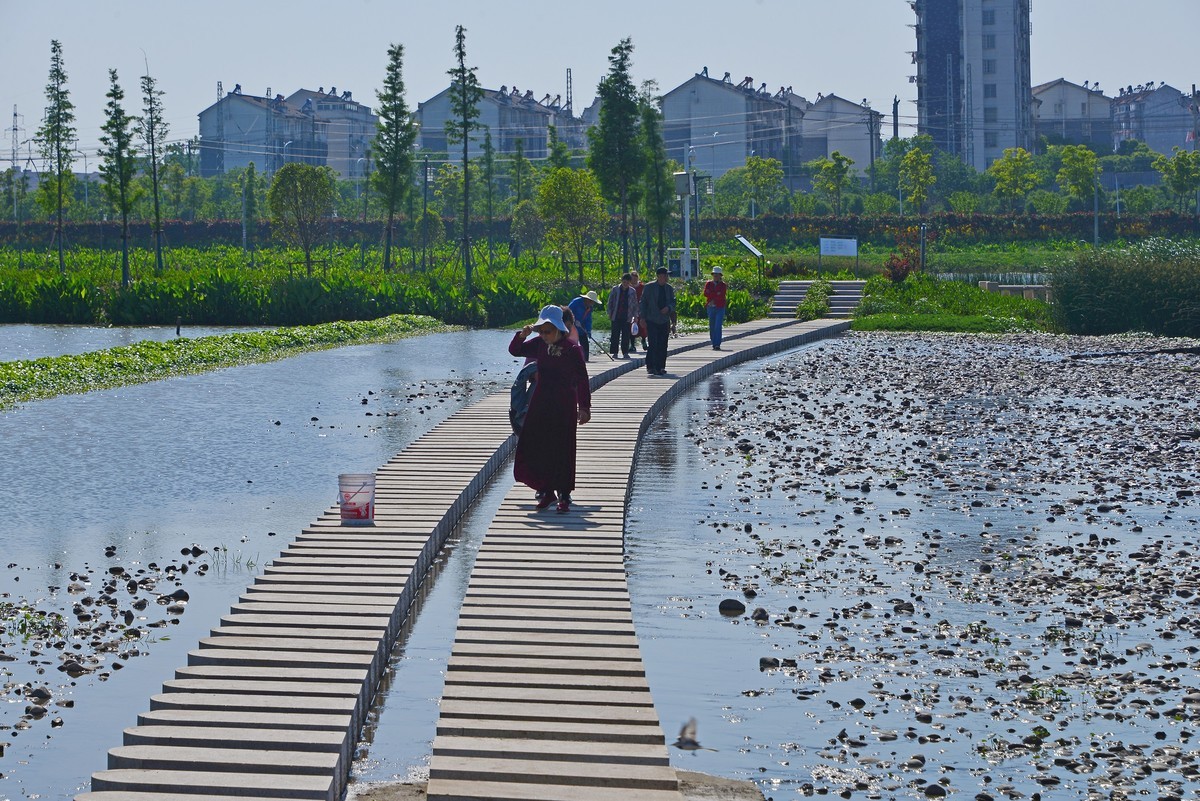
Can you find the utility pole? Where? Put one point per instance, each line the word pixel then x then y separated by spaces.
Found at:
pixel 896 116
pixel 873 122
pixel 16 176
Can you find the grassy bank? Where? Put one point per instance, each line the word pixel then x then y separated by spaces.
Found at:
pixel 36 379
pixel 922 303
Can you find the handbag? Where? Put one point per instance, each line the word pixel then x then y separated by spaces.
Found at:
pixel 633 329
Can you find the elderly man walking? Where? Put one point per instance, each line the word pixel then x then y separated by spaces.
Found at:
pixel 658 310
pixel 622 310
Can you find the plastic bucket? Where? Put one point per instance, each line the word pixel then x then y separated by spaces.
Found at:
pixel 356 497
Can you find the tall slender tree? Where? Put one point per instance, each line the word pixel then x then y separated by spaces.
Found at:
pixel 658 194
pixel 118 164
pixel 393 150
pixel 153 130
pixel 56 141
pixel 489 178
pixel 558 154
pixel 615 156
pixel 465 94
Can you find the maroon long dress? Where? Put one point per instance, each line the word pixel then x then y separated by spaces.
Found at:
pixel 545 458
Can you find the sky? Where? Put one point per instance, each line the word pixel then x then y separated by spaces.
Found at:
pixel 857 49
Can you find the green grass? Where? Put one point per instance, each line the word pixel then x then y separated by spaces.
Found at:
pixel 922 303
pixel 35 379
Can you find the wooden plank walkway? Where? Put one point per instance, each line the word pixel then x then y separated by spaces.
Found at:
pixel 546 695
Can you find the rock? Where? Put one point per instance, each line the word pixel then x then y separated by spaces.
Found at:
pixel 731 607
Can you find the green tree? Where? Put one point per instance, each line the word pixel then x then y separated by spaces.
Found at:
pixel 250 214
pixel 764 183
pixel 832 177
pixel 572 206
pixel 153 130
pixel 528 229
pixel 1141 199
pixel 658 193
pixel 393 148
pixel 615 156
pixel 301 201
pixel 489 189
pixel 522 171
pixel 1078 175
pixel 56 141
pixel 1015 176
pixel 465 94
pixel 916 177
pixel 1181 174
pixel 558 154
pixel 118 164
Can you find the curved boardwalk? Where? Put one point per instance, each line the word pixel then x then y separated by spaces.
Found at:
pixel 546 696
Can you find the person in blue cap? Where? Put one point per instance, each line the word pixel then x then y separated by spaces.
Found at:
pixel 561 402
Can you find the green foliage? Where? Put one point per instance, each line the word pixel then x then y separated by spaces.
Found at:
pixel 1015 176
pixel 816 301
pixel 616 155
pixel 917 176
pixel 301 201
pixel 394 137
pixel 117 164
pixel 1152 286
pixel 1181 174
pixel 569 202
pixel 1078 174
pixel 832 177
pixel 149 360
pixel 923 303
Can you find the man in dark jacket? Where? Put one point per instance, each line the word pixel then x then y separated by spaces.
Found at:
pixel 658 310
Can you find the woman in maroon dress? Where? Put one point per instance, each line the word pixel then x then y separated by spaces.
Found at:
pixel 561 401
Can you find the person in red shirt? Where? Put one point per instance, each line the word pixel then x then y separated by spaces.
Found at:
pixel 714 296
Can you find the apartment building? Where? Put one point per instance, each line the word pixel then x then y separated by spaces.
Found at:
pixel 973 76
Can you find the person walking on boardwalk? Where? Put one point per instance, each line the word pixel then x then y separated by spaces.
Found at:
pixel 561 401
pixel 622 310
pixel 582 307
pixel 658 310
pixel 638 287
pixel 714 296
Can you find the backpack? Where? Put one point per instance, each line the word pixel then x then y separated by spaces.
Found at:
pixel 519 395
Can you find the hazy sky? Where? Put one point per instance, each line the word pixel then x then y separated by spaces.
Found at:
pixel 854 48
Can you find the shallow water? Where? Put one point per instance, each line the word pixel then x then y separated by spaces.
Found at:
pixel 240 458
pixel 18 342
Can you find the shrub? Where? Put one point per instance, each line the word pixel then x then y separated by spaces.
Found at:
pixel 816 301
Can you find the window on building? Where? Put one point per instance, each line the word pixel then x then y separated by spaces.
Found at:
pixel 989 16
pixel 990 114
pixel 991 139
pixel 989 41
pixel 989 66
pixel 989 90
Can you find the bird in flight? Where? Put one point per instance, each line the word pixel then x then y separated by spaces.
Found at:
pixel 687 738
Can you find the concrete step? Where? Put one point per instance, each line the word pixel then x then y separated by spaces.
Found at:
pixel 181 784
pixel 459 790
pixel 223 760
pixel 254 739
pixel 537 771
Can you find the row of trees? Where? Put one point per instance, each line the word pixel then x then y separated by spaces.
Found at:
pixel 563 202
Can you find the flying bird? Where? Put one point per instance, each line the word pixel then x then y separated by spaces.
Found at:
pixel 687 738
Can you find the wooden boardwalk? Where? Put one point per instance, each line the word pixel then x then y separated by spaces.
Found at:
pixel 546 696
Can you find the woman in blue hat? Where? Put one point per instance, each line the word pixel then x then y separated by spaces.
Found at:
pixel 562 401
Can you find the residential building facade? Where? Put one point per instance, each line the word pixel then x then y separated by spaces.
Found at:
pixel 1159 115
pixel 973 76
pixel 713 126
pixel 508 115
pixel 320 128
pixel 834 124
pixel 1066 113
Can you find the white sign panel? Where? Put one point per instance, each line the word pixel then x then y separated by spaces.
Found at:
pixel 839 247
pixel 746 244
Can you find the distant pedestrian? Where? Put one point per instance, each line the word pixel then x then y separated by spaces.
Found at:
pixel 582 307
pixel 561 401
pixel 715 302
pixel 622 311
pixel 639 287
pixel 658 310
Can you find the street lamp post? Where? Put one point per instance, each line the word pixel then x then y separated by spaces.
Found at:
pixel 283 153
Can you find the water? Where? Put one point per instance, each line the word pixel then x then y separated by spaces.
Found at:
pixel 19 342
pixel 240 458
